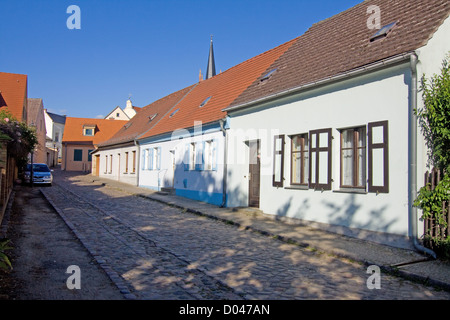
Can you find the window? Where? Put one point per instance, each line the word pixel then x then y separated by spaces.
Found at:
pixel 268 75
pixel 117 114
pixel 173 113
pixel 204 102
pixel 209 155
pixel 299 159
pixel 89 130
pixel 57 137
pixel 134 162
pixel 192 156
pixel 320 159
pixel 90 155
pixel 378 157
pixel 278 162
pixel 383 32
pixel 353 158
pixel 77 155
pixel 106 164
pixel 126 162
pixel 111 163
pixel 153 161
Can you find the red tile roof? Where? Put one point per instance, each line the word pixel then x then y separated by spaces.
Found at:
pixel 146 118
pixel 342 43
pixel 13 94
pixel 73 129
pixel 223 89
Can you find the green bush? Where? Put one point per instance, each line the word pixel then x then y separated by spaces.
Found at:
pixel 5 263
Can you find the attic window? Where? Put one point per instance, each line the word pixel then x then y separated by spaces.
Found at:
pixel 150 118
pixel 268 75
pixel 127 125
pixel 173 113
pixel 204 102
pixel 383 32
pixel 89 130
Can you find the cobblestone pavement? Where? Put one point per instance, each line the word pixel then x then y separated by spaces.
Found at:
pixel 155 251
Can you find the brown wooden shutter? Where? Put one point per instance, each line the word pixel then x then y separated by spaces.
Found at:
pixel 378 138
pixel 278 161
pixel 320 159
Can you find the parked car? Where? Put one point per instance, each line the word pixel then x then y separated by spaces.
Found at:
pixel 41 174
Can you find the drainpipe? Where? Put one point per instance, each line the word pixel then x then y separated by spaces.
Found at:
pixel 412 172
pixel 224 179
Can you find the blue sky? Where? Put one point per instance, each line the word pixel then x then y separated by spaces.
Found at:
pixel 143 48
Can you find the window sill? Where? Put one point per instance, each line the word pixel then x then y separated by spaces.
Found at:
pixel 351 190
pixel 297 187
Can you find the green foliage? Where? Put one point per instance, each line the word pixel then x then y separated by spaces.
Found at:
pixel 21 138
pixel 434 119
pixel 5 264
pixel 435 116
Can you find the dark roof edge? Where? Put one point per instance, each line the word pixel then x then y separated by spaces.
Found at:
pixel 387 62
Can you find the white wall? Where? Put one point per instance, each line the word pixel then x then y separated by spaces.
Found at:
pixel 359 101
pixel 203 185
pixel 118 170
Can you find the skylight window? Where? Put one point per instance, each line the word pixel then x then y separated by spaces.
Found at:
pixel 150 118
pixel 268 75
pixel 204 102
pixel 383 32
pixel 173 113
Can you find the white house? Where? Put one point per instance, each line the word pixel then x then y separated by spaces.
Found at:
pixel 123 114
pixel 327 136
pixel 185 151
pixel 54 124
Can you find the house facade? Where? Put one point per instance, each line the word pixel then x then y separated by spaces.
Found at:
pixel 81 137
pixel 333 142
pixel 185 151
pixel 54 124
pixel 36 119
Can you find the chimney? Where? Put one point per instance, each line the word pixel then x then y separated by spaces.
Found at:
pixel 200 76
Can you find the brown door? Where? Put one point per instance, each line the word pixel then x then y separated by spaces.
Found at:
pixel 254 174
pixel 97 166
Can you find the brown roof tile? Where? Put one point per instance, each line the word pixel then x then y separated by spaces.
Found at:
pixel 13 94
pixel 73 129
pixel 342 43
pixel 222 88
pixel 146 118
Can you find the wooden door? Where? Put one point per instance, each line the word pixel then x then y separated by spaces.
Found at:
pixel 254 174
pixel 97 166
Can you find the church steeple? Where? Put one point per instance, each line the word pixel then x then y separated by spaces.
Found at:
pixel 211 67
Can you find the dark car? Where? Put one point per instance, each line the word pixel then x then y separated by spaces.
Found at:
pixel 41 174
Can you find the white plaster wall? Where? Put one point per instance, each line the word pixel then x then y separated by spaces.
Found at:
pixel 382 96
pixel 117 171
pixel 205 182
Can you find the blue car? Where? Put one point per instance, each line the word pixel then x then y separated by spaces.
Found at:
pixel 41 174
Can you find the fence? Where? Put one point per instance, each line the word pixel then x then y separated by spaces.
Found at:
pixel 432 229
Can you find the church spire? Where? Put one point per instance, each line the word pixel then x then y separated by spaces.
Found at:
pixel 211 68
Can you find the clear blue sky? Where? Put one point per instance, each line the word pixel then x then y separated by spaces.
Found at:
pixel 146 48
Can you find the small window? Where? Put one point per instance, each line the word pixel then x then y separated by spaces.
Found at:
pixel 152 117
pixel 77 155
pixel 89 132
pixel 383 32
pixel 268 75
pixel 320 159
pixel 353 158
pixel 90 155
pixel 299 159
pixel 126 162
pixel 173 113
pixel 204 102
pixel 192 156
pixel 117 115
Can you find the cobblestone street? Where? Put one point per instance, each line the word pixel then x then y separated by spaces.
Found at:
pixel 155 251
